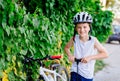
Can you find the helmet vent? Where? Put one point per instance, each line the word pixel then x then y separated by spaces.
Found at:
pixel 82 17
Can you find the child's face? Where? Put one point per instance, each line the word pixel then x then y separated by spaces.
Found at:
pixel 83 29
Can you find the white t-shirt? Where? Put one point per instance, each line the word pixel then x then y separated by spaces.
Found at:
pixel 82 50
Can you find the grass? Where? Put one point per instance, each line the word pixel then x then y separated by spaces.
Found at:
pixel 99 65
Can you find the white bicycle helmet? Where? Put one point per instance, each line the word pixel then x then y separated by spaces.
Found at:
pixel 82 17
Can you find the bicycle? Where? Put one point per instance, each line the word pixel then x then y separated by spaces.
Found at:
pixel 56 72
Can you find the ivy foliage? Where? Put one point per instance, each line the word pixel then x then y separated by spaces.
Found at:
pixel 39 27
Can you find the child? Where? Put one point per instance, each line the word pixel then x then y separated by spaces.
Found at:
pixel 85 47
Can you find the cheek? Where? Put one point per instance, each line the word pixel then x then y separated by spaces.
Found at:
pixel 88 29
pixel 78 30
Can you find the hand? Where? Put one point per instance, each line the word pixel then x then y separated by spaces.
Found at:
pixel 71 58
pixel 85 59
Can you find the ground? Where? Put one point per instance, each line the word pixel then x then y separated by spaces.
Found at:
pixel 111 72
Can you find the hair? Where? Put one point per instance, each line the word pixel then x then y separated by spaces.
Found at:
pixel 75 32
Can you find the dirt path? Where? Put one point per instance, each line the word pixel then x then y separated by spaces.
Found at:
pixel 112 71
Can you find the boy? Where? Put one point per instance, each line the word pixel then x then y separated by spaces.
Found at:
pixel 85 47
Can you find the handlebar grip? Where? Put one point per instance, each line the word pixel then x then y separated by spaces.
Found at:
pixel 77 60
pixel 55 57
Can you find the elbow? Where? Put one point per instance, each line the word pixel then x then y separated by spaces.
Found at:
pixel 106 55
pixel 65 48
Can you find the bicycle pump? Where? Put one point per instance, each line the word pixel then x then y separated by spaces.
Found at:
pixel 77 62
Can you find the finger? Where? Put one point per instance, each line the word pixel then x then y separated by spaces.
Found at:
pixel 84 61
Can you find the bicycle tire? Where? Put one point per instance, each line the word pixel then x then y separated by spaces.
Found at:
pixel 40 78
pixel 63 71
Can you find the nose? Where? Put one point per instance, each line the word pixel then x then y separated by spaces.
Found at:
pixel 82 29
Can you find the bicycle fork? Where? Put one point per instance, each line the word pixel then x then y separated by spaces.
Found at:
pixel 49 77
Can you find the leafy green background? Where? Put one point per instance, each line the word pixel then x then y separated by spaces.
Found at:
pixel 39 27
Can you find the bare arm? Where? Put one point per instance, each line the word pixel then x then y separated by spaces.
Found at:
pixel 67 50
pixel 102 53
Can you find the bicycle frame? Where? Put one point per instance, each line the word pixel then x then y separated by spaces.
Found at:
pixel 42 71
pixel 53 76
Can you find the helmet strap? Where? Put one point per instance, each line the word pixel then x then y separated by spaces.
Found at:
pixel 90 32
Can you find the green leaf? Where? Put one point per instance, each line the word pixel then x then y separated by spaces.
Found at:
pixel 36 22
pixel 23 52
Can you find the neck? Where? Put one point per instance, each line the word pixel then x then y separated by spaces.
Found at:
pixel 84 39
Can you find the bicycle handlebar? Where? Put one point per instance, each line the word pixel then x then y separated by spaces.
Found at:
pixel 44 58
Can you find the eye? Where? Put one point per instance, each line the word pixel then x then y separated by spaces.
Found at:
pixel 85 27
pixel 79 27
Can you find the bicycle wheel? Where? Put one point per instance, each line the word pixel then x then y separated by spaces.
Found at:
pixel 63 72
pixel 40 78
